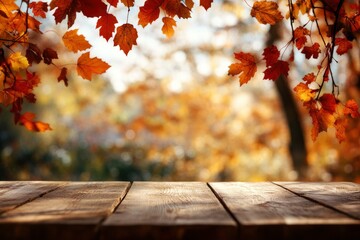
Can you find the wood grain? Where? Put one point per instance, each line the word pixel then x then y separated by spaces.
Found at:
pixel 163 210
pixel 264 209
pixel 342 196
pixel 14 194
pixel 70 212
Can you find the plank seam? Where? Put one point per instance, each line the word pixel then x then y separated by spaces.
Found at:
pixel 32 199
pixel 318 202
pixel 120 200
pixel 222 202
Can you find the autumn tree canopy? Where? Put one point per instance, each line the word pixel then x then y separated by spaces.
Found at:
pixel 321 30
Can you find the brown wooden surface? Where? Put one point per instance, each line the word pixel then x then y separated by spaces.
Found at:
pixel 170 210
pixel 14 194
pixel 342 196
pixel 72 211
pixel 264 209
pixel 179 210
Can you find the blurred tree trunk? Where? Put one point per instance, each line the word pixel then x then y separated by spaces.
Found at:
pixel 297 146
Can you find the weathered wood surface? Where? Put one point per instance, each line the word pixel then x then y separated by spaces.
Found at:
pixel 170 210
pixel 14 194
pixel 179 210
pixel 72 211
pixel 342 196
pixel 266 209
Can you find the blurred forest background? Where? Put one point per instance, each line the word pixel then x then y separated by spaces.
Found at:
pixel 168 111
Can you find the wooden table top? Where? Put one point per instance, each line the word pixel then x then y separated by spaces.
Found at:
pixel 179 210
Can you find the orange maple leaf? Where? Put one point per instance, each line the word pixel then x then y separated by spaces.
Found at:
pixel 266 12
pixel 26 119
pixel 303 92
pixel 125 37
pixel 75 42
pixel 246 68
pixel 352 109
pixel 87 66
pixel 321 121
pixel 168 27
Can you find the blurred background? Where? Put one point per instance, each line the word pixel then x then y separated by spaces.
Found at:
pixel 168 111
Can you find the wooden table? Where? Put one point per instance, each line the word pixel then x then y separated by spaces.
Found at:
pixel 179 210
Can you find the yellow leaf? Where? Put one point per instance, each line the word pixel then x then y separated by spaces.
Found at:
pixel 266 12
pixel 75 42
pixel 17 61
pixel 304 93
pixel 87 66
pixel 168 28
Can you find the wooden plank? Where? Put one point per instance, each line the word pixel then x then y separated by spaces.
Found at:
pixel 164 210
pixel 73 211
pixel 14 194
pixel 342 196
pixel 264 209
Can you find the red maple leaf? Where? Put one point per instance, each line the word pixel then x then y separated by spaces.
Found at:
pixel 106 25
pixel 149 12
pixel 312 51
pixel 65 8
pixel 343 44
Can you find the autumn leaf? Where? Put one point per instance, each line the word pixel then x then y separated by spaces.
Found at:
pixel 246 68
pixel 125 37
pixel 39 9
pixel 87 66
pixel 168 27
pixel 276 70
pixel 340 127
pixel 149 12
pixel 106 25
pixel 309 78
pixel 271 55
pixel 27 120
pixel 7 6
pixel 352 109
pixel 266 12
pixel 300 35
pixel 48 55
pixel 312 51
pixel 33 54
pixel 321 121
pixel 93 8
pixel 206 3
pixel 17 61
pixel 328 102
pixel 65 8
pixel 75 42
pixel 303 92
pixel 190 3
pixel 128 3
pixel 62 76
pixel 343 44
pixel 113 3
